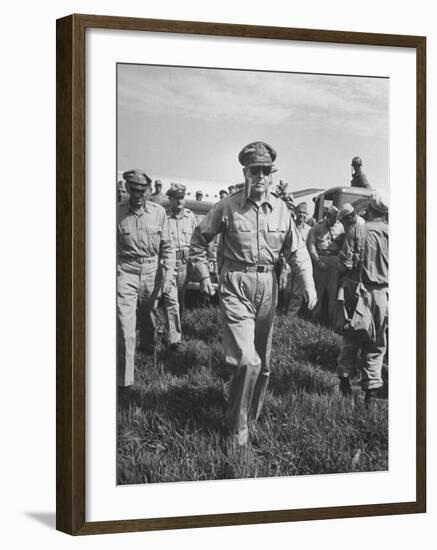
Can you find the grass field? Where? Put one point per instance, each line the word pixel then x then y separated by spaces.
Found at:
pixel 170 425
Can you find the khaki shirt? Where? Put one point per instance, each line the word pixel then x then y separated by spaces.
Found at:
pixel 324 240
pixel 303 229
pixel 251 234
pixel 181 228
pixel 367 247
pixel 144 233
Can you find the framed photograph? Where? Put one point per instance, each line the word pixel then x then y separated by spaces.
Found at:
pixel 225 291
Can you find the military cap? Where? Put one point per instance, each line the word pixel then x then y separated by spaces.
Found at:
pixel 176 189
pixel 332 210
pixel 257 153
pixel 158 182
pixel 379 202
pixel 302 207
pixel 356 161
pixel 121 185
pixel 199 193
pixel 346 210
pixel 136 176
pixel 223 191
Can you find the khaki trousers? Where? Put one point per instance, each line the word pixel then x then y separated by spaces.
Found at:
pixel 137 291
pixel 174 302
pixel 371 355
pixel 248 303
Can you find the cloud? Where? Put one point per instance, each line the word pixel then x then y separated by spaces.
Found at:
pixel 354 104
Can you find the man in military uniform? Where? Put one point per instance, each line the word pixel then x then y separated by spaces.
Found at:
pixel 294 300
pixel 359 178
pixel 324 242
pixel 256 227
pixel 349 218
pixel 365 258
pixel 143 242
pixel 199 195
pixel 182 223
pixel 158 195
pixel 121 191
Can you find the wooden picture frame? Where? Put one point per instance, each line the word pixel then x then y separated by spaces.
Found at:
pixel 71 254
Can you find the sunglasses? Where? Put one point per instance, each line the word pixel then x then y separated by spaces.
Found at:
pixel 258 170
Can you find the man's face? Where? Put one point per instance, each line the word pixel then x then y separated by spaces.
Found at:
pixel 138 194
pixel 331 218
pixel 177 203
pixel 158 188
pixel 349 219
pixel 260 178
pixel 301 217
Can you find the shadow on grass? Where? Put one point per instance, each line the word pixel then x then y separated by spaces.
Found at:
pixel 184 406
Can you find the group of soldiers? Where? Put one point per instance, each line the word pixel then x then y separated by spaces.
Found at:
pixel 258 231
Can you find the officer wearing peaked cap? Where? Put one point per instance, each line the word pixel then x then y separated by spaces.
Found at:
pixel 182 223
pixel 256 227
pixel 143 243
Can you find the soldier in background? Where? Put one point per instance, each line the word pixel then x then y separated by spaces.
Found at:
pixel 359 178
pixel 256 227
pixel 122 194
pixel 232 189
pixel 143 243
pixel 349 218
pixel 199 195
pixel 365 258
pixel 294 297
pixel 182 223
pixel 324 242
pixel 223 194
pixel 158 195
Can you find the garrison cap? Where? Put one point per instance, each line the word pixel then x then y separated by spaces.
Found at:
pixel 176 189
pixel 346 210
pixel 379 202
pixel 257 153
pixel 302 207
pixel 199 193
pixel 136 176
pixel 356 161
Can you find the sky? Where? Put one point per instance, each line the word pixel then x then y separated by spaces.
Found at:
pixel 191 123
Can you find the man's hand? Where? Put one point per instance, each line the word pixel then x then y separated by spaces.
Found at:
pixel 206 287
pixel 167 285
pixel 310 296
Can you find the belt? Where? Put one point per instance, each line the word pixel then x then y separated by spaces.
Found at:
pixel 241 266
pixel 138 259
pixel 182 254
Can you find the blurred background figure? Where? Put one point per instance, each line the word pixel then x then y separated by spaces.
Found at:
pixel 232 189
pixel 365 258
pixel 359 178
pixel 182 223
pixel 199 195
pixel 324 242
pixel 122 194
pixel 223 194
pixel 158 195
pixel 349 218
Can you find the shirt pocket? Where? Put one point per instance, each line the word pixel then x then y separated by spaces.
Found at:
pixel 152 237
pixel 241 238
pixel 124 236
pixel 275 236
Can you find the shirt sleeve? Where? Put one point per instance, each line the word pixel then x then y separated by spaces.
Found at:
pixel 211 225
pixel 311 243
pixel 296 254
pixel 364 181
pixel 167 253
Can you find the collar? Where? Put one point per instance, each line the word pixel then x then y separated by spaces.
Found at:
pixel 183 214
pixel 267 200
pixel 141 211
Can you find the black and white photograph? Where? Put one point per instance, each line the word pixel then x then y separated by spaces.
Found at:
pixel 252 273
